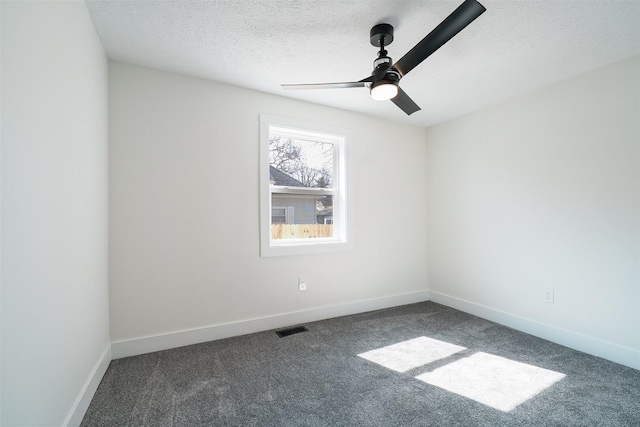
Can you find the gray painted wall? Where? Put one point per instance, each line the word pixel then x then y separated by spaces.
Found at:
pixel 543 191
pixel 54 309
pixel 179 260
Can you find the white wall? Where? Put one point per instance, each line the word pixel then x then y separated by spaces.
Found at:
pixel 184 210
pixel 54 212
pixel 544 191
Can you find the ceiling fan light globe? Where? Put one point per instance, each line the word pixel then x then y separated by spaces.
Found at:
pixel 384 91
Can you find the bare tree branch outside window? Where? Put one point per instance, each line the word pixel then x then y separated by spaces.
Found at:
pixel 311 163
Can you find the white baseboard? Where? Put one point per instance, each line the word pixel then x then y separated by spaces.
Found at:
pixel 166 341
pixel 594 346
pixel 86 394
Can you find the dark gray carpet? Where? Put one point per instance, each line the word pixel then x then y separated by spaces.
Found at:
pixel 316 378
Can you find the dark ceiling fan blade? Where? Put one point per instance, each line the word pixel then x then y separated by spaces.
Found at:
pixel 342 85
pixel 465 14
pixel 405 103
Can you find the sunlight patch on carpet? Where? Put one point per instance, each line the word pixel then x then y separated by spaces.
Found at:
pixel 491 380
pixel 407 355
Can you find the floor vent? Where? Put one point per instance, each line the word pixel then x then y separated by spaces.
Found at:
pixel 290 331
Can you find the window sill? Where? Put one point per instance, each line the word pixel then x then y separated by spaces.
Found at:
pixel 304 247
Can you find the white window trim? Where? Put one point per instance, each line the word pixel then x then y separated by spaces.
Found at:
pixel 343 239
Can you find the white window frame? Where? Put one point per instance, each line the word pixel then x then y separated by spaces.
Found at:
pixel 342 239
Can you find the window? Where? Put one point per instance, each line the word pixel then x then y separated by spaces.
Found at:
pixel 303 197
pixel 282 215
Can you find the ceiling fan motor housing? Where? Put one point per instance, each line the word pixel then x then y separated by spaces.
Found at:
pixel 390 77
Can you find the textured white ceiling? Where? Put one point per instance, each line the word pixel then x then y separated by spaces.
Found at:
pixel 513 48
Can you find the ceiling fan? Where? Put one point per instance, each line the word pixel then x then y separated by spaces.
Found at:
pixel 385 78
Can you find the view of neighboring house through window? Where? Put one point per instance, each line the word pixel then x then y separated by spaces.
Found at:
pixel 306 186
pixel 297 164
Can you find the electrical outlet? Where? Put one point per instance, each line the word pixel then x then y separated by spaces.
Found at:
pixel 548 296
pixel 302 285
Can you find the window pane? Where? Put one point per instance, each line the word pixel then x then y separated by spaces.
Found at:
pixel 300 162
pixel 313 216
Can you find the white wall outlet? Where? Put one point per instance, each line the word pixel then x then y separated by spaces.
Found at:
pixel 302 285
pixel 548 296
